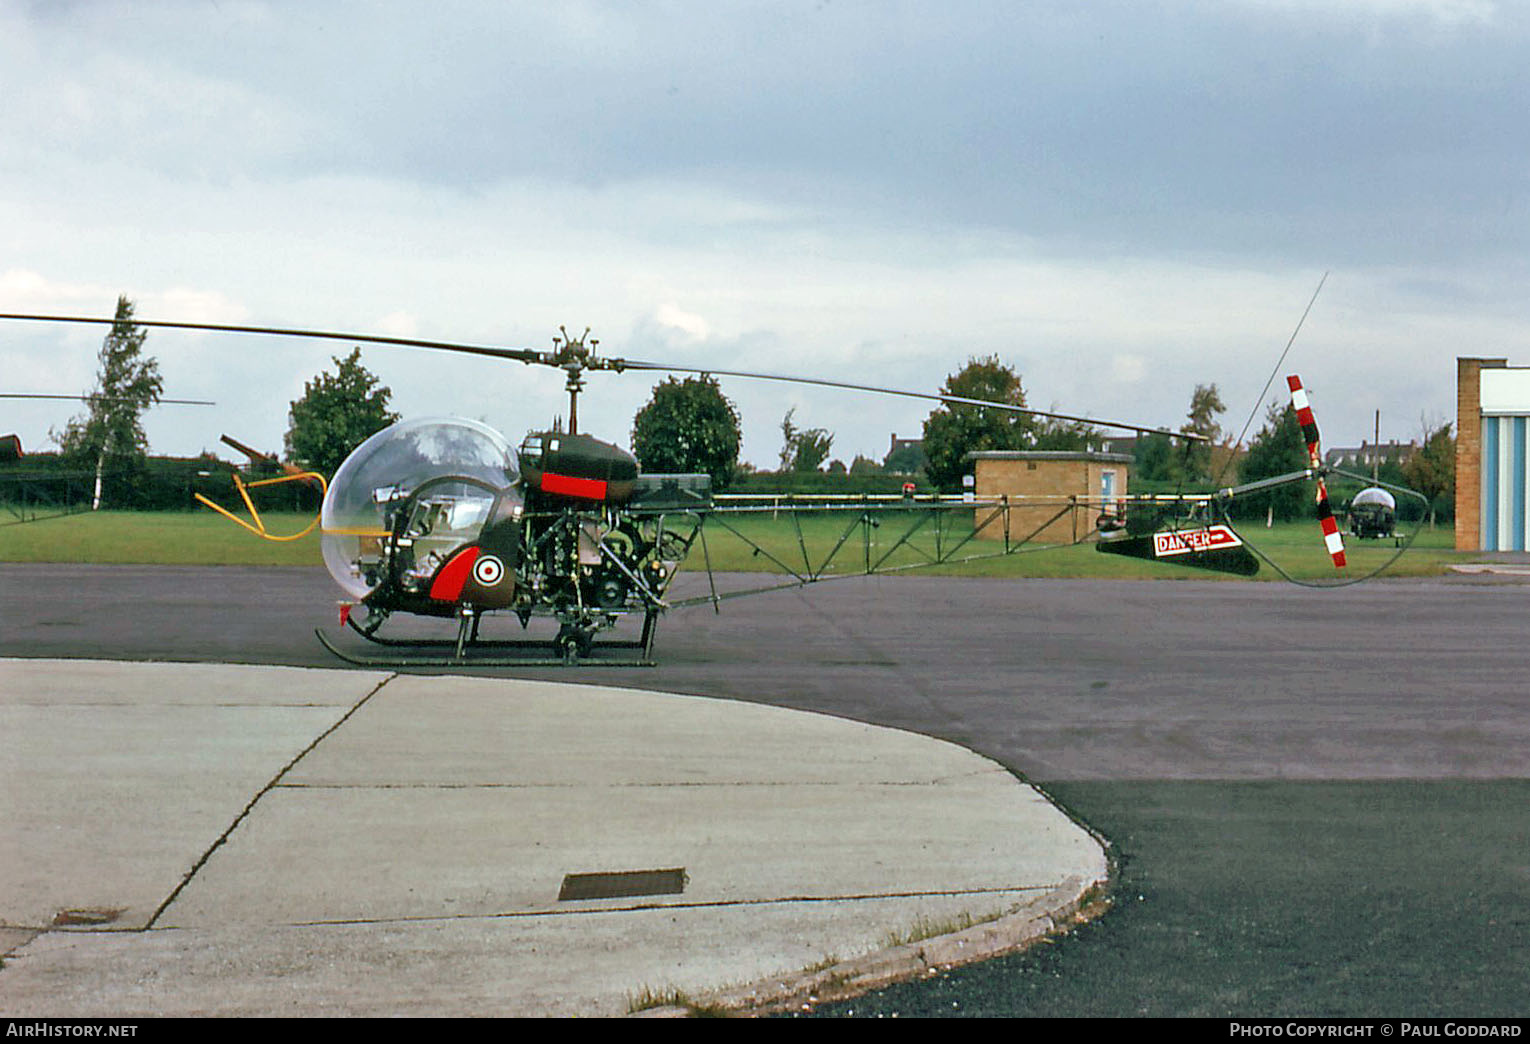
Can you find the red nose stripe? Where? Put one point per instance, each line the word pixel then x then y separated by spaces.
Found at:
pixel 450 579
pixel 568 486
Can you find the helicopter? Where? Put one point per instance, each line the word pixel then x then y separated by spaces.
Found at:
pixel 25 493
pixel 1373 514
pixel 443 518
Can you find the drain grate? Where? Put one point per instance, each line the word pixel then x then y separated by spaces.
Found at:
pixel 622 884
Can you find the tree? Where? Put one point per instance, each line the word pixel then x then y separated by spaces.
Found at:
pixel 803 449
pixel 689 426
pixel 952 431
pixel 1053 433
pixel 1277 449
pixel 1153 458
pixel 865 466
pixel 110 436
pixel 1432 470
pixel 906 459
pixel 788 440
pixel 1205 404
pixel 1161 458
pixel 336 414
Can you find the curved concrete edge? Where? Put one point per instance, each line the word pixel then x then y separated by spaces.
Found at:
pixel 1071 903
pixel 447 805
pixel 1499 569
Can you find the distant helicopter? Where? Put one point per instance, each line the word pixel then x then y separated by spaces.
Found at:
pixel 1373 514
pixel 442 517
pixel 25 508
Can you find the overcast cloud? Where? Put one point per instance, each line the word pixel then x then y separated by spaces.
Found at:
pixel 1120 199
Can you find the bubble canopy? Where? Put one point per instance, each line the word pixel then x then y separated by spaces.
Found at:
pixel 387 468
pixel 1375 497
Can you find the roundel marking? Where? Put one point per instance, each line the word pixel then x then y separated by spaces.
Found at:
pixel 488 570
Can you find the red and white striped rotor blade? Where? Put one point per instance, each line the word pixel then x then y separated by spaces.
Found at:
pixel 1332 539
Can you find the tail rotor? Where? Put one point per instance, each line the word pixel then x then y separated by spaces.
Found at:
pixel 1332 538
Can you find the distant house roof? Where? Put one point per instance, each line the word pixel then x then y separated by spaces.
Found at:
pixel 1365 453
pixel 1105 458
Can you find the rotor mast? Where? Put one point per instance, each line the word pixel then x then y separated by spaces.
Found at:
pixel 574 355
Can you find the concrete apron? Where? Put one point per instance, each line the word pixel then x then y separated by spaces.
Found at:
pixel 192 839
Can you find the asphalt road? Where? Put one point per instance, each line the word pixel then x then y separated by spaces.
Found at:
pixel 1316 799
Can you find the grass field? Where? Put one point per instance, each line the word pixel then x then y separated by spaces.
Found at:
pixel 202 538
pixel 156 538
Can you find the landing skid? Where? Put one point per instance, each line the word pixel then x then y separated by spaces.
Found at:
pixel 467 651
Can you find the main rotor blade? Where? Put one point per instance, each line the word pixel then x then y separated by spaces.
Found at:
pixel 529 355
pixel 526 355
pixel 631 364
pixel 102 398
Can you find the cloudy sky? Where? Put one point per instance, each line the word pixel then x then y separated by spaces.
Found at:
pixel 1121 200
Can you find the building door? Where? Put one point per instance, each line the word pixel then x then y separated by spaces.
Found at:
pixel 1505 461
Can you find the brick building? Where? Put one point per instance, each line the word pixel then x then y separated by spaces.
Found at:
pixel 1056 495
pixel 1492 455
